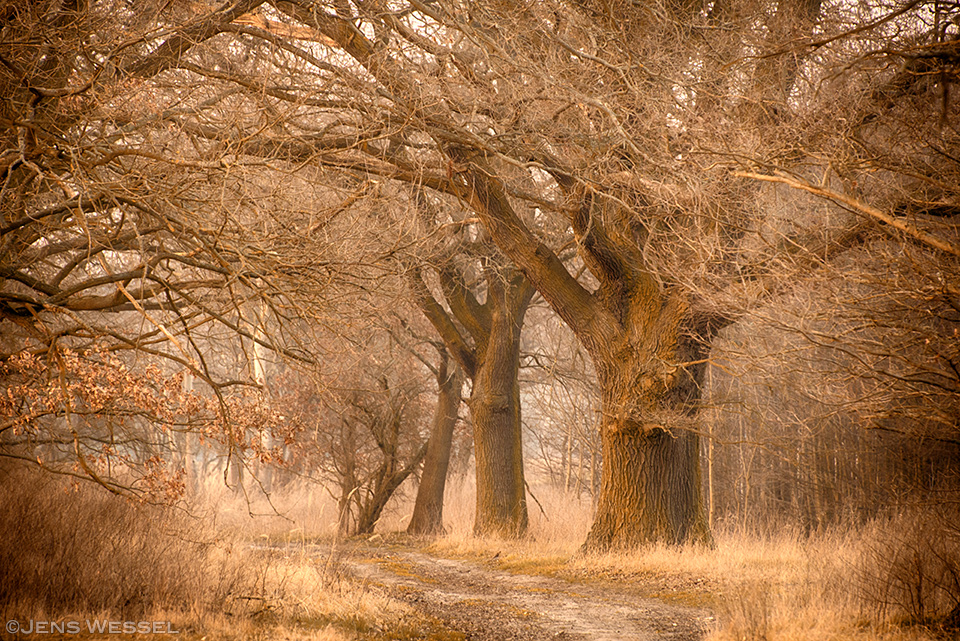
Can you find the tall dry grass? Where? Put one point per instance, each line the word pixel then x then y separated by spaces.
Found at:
pixel 238 566
pixel 559 521
pixel 70 552
pixel 845 583
pixel 896 578
pixel 72 547
pixel 299 511
pixel 910 566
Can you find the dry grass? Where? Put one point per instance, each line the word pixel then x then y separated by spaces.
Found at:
pixel 299 511
pixel 240 570
pixel 76 553
pixel 792 588
pixel 780 587
pixel 910 568
pixel 77 548
pixel 556 530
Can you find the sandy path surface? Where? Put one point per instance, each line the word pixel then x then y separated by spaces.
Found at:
pixel 487 604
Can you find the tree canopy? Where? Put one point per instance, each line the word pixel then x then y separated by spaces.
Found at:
pixel 178 172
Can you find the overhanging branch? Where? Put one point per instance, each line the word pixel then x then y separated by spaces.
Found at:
pixel 857 206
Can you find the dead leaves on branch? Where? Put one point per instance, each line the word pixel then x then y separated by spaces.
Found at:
pixel 88 413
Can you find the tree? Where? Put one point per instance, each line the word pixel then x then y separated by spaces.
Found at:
pixel 536 115
pixel 649 132
pixel 363 428
pixel 427 515
pixel 491 359
pixel 631 326
pixel 130 257
pixel 386 427
pixel 648 352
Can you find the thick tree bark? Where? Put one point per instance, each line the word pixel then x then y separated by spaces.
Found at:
pixel 650 490
pixel 495 407
pixel 651 486
pixel 428 510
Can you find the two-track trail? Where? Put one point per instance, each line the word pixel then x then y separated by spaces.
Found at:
pixel 484 603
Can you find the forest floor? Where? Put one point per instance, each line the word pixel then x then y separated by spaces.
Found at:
pixel 478 599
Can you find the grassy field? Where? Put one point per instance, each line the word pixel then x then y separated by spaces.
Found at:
pixel 220 572
pixel 74 554
pixel 890 579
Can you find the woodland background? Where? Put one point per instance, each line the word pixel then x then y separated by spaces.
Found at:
pixel 689 270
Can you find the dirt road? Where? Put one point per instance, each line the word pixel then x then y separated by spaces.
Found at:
pixel 484 603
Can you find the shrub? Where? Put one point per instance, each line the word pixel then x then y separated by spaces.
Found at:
pixel 76 548
pixel 911 570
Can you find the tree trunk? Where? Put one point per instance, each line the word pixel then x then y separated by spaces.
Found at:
pixel 186 447
pixel 648 349
pixel 369 511
pixel 235 472
pixel 651 486
pixel 343 508
pixel 711 489
pixel 492 361
pixel 428 510
pixel 264 470
pixel 650 490
pixel 495 408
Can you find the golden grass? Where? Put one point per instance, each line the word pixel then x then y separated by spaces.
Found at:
pixel 779 587
pixel 230 575
pixel 774 587
pixel 76 554
pixel 300 511
pixel 556 530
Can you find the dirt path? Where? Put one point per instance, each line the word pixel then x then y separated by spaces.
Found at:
pixel 487 604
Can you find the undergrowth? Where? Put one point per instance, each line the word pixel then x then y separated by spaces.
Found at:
pixel 75 553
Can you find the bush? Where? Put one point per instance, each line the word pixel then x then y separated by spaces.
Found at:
pixel 911 571
pixel 76 548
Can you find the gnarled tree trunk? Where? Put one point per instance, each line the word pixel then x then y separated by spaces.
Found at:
pixel 649 490
pixel 495 408
pixel 641 338
pixel 651 485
